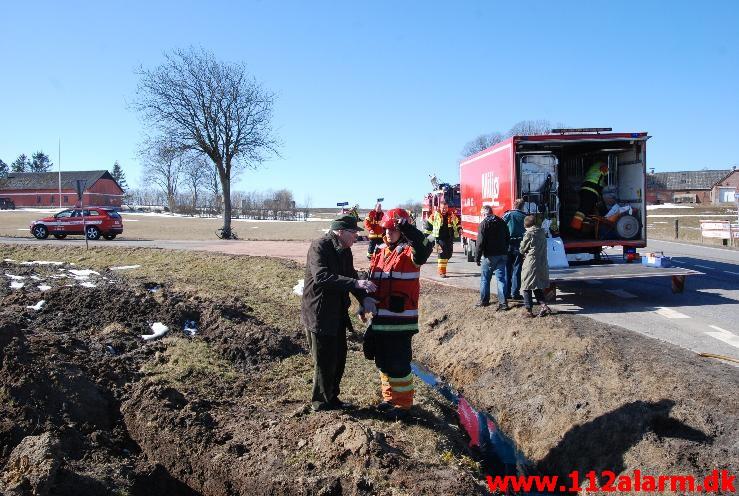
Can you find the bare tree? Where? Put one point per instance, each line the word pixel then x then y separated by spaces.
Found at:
pixel 211 107
pixel 481 142
pixel 195 172
pixel 530 127
pixel 163 164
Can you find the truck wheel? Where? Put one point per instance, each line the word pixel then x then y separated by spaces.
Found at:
pixel 471 248
pixel 40 232
pixel 92 232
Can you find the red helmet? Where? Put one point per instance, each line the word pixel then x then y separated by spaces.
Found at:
pixel 391 217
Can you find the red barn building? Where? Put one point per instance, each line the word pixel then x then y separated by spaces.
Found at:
pixel 41 189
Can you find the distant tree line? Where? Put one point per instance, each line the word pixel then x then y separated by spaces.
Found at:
pixel 39 162
pixel 521 128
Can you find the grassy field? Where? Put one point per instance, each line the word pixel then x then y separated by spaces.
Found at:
pixel 661 222
pixel 164 227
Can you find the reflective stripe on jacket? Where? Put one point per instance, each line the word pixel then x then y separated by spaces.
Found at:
pixel 452 222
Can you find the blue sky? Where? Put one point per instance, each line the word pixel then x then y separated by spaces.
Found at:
pixel 373 96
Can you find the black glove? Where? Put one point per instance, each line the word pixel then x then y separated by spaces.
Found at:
pixel 368 344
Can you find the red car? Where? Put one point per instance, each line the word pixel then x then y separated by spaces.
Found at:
pixel 98 221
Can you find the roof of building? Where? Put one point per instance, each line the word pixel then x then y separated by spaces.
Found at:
pixel 702 179
pixel 50 180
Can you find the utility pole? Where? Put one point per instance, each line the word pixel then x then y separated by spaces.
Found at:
pixel 59 162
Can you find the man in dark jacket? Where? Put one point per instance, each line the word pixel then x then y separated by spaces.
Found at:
pixel 492 250
pixel 329 278
pixel 514 220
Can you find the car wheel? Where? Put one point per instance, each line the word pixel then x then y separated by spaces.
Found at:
pixel 40 232
pixel 92 232
pixel 109 236
pixel 60 236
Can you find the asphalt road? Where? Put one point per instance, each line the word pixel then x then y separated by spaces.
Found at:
pixel 704 319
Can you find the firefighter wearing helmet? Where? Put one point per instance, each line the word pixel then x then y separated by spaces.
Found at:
pixel 395 268
pixel 590 193
pixel 444 228
pixel 372 224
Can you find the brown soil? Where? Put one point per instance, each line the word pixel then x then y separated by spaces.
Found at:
pixel 88 407
pixel 575 394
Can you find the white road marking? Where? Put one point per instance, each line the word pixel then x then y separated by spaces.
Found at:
pixel 621 293
pixel 704 266
pixel 732 273
pixel 724 335
pixel 670 313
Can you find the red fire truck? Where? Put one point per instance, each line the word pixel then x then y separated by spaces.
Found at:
pixel 546 171
pixel 442 193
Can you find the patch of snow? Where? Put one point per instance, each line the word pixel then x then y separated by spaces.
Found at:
pixel 125 267
pixel 15 278
pixel 88 284
pixel 323 230
pixel 44 287
pixel 159 331
pixel 42 262
pixel 59 276
pixel 83 274
pixel 9 260
pixel 16 285
pixel 667 205
pixel 298 288
pixel 37 306
pixel 22 229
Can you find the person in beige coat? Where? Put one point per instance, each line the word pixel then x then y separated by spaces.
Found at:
pixel 535 270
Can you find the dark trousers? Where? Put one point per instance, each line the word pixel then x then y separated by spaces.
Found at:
pixel 373 243
pixel 329 359
pixel 588 199
pixel 513 271
pixel 393 353
pixel 528 300
pixel 447 246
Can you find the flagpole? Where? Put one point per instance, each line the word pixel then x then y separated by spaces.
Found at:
pixel 59 162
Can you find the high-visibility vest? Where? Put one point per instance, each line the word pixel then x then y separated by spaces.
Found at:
pixel 372 224
pixel 398 289
pixel 452 222
pixel 595 179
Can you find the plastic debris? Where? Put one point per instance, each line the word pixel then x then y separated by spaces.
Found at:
pixel 16 285
pixel 298 288
pixel 159 331
pixel 37 306
pixel 190 328
pixel 110 350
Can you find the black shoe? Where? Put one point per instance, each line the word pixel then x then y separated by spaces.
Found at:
pixel 516 297
pixel 337 404
pixel 502 308
pixel 482 304
pixel 396 414
pixel 385 406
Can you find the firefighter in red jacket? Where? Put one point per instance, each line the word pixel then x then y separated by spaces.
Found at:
pixel 372 224
pixel 395 268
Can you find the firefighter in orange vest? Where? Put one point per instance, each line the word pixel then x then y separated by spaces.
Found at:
pixel 445 227
pixel 590 193
pixel 395 268
pixel 372 224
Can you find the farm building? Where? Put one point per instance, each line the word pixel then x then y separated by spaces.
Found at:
pixel 703 186
pixel 41 189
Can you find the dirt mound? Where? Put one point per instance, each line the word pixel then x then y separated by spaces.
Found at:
pixel 221 413
pixel 575 394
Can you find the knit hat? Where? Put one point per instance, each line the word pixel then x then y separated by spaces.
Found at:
pixel 346 223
